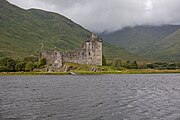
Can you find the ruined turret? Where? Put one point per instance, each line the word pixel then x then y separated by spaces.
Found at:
pixel 93 48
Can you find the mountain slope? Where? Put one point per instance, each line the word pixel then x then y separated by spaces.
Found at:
pixel 167 48
pixel 23 31
pixel 140 39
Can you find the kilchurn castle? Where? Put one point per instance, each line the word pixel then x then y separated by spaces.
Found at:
pixel 89 53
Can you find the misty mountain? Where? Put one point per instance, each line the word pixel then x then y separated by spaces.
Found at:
pixel 23 31
pixel 148 41
pixel 167 48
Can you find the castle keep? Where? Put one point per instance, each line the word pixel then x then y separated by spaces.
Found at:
pixel 89 53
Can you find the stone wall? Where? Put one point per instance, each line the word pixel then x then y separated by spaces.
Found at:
pixel 53 58
pixel 89 53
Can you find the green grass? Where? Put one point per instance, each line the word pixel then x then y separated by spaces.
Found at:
pixel 141 71
pixel 87 70
pixel 129 71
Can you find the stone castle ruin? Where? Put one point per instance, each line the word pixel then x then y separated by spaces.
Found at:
pixel 89 53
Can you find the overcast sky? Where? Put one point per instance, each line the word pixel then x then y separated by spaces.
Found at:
pixel 110 15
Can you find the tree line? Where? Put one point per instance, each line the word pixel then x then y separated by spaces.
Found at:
pixel 8 64
pixel 164 65
pixel 122 64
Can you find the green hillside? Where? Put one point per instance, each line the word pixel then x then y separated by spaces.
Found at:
pixel 141 39
pixel 23 31
pixel 167 48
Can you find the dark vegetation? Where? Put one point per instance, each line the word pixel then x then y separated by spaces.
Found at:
pixel 120 64
pixel 163 65
pixel 27 64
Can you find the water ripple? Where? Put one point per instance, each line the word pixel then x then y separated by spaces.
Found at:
pixel 98 97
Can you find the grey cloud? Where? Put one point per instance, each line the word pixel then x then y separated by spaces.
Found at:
pixel 111 15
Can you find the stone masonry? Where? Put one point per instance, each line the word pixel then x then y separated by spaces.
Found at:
pixel 89 53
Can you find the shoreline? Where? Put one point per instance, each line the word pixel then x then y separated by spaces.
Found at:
pixel 138 71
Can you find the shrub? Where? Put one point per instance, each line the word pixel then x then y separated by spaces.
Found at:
pixel 132 65
pixel 29 66
pixel 3 61
pixel 8 63
pixel 30 59
pixel 117 63
pixel 103 60
pixel 42 62
pixel 151 66
pixel 20 66
pixel 11 65
pixel 2 68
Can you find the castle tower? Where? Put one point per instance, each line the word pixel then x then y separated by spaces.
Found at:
pixel 93 47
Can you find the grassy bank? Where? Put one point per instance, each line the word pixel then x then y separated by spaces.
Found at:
pixel 141 71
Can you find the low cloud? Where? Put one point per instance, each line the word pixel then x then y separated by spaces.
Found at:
pixel 110 15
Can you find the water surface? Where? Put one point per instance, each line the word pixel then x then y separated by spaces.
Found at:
pixel 90 97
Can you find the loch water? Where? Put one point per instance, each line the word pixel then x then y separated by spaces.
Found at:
pixel 90 97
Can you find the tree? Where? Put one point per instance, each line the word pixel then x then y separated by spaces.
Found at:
pixel 2 68
pixel 42 62
pixel 3 61
pixel 131 65
pixel 29 66
pixel 135 65
pixel 103 60
pixel 11 65
pixel 151 66
pixel 117 63
pixel 20 66
pixel 30 59
pixel 8 64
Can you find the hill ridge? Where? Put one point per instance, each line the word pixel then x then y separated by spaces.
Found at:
pixel 23 31
pixel 141 39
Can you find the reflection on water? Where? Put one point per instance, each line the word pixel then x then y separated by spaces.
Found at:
pixel 96 97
